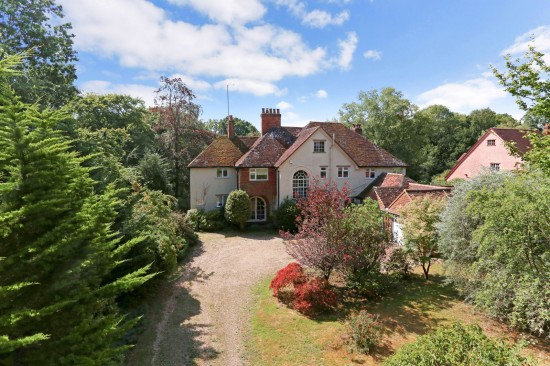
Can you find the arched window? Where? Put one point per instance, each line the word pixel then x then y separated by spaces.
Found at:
pixel 257 209
pixel 300 184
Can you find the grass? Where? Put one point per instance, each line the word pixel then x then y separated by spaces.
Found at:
pixel 281 336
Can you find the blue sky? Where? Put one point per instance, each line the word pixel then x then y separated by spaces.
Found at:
pixel 305 57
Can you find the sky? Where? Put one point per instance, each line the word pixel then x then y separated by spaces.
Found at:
pixel 306 58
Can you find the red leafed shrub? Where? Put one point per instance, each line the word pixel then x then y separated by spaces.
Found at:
pixel 287 278
pixel 314 296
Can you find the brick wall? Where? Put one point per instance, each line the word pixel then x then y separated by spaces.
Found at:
pixel 264 189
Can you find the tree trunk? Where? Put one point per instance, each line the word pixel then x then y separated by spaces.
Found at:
pixel 426 269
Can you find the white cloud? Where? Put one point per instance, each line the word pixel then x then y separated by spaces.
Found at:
pixel 347 48
pixel 256 87
pixel 144 92
pixel 227 11
pixel 373 54
pixel 140 35
pixel 282 105
pixel 320 19
pixel 321 93
pixel 315 18
pixel 192 83
pixel 538 37
pixel 465 96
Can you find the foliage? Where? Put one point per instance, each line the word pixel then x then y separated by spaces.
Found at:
pixel 457 345
pixel 364 239
pixel 49 71
pixel 396 261
pixel 495 236
pixel 371 285
pixel 429 140
pixel 194 218
pixel 179 132
pixel 240 127
pixel 285 217
pixel 152 218
pixel 155 172
pixel 314 296
pixel 214 220
pixel 237 208
pixel 365 330
pixel 286 280
pixel 527 80
pixel 56 237
pixel 419 218
pixel 319 241
pixel 538 157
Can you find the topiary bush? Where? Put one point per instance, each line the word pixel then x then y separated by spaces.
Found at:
pixel 314 297
pixel 365 330
pixel 457 345
pixel 285 217
pixel 237 208
pixel 286 280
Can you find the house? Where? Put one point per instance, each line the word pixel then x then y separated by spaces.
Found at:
pixel 490 152
pixel 283 161
pixel 393 192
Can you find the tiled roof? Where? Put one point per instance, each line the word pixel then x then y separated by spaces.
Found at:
pixel 362 151
pixel 223 151
pixel 409 194
pixel 515 136
pixel 248 140
pixel 267 149
pixel 385 195
pixel 385 180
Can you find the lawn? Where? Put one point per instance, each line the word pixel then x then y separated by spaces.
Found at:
pixel 281 336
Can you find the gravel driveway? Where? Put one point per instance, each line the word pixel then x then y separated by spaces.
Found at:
pixel 203 317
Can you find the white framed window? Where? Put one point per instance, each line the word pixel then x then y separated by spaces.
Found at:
pixel 491 143
pixel 221 199
pixel 221 173
pixel 257 209
pixel 319 146
pixel 495 166
pixel 258 174
pixel 300 184
pixel 371 173
pixel 343 172
pixel 323 173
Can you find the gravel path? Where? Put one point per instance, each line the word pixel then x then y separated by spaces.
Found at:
pixel 203 317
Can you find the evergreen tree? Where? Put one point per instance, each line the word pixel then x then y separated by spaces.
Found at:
pixel 58 247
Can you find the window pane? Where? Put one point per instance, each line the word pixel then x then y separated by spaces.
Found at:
pixel 300 184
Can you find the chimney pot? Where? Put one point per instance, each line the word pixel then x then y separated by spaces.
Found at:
pixel 357 128
pixel 270 119
pixel 263 110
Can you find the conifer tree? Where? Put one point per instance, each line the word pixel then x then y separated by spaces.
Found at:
pixel 57 299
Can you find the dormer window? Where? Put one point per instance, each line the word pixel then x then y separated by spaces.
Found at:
pixel 319 146
pixel 491 143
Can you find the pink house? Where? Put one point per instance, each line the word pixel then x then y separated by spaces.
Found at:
pixel 490 152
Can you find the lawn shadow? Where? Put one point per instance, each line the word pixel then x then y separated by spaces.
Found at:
pixel 255 233
pixel 171 336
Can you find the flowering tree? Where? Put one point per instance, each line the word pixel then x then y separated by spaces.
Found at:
pixel 319 240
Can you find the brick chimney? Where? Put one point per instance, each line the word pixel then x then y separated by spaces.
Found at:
pixel 271 118
pixel 358 129
pixel 230 126
pixel 546 129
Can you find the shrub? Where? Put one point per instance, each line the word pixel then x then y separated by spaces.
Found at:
pixel 183 229
pixel 237 208
pixel 213 220
pixel 365 330
pixel 195 218
pixel 286 280
pixel 285 217
pixel 457 345
pixel 396 262
pixel 314 296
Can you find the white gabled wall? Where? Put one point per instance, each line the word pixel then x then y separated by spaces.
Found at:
pixel 305 159
pixel 205 186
